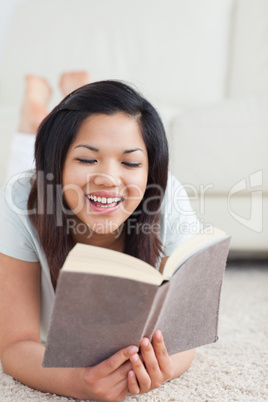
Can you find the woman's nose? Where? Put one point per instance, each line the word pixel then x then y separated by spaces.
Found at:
pixel 106 179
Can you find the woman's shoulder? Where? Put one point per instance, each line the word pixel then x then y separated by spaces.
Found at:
pixel 174 192
pixel 18 238
pixel 178 219
pixel 174 184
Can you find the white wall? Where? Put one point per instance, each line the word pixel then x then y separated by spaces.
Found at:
pixel 6 8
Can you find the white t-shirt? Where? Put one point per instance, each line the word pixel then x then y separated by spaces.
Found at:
pixel 19 239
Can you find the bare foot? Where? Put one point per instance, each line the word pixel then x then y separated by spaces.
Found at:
pixel 72 80
pixel 35 104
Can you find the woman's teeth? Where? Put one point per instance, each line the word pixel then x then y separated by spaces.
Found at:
pixel 103 201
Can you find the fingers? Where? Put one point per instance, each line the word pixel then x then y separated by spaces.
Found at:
pixel 150 361
pixel 113 386
pixel 147 372
pixel 106 388
pixel 133 386
pixel 154 370
pixel 139 381
pixel 115 361
pixel 161 353
pixel 119 390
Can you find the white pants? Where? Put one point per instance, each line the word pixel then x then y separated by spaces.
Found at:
pixel 22 154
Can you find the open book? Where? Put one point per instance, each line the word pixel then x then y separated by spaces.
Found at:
pixel 106 300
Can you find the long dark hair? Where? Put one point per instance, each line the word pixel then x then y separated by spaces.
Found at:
pixel 55 135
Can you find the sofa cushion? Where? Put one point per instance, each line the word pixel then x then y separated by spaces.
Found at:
pixel 221 145
pixel 249 70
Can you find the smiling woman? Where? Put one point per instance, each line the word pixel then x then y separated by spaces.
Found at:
pixel 101 178
pixel 105 176
pixel 84 144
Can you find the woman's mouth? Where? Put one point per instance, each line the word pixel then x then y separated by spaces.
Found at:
pixel 103 204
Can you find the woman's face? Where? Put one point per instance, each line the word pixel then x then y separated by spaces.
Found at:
pixel 105 171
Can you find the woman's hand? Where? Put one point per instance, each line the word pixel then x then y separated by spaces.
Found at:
pixel 153 369
pixel 155 366
pixel 108 380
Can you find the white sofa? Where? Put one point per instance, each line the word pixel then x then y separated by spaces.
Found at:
pixel 203 63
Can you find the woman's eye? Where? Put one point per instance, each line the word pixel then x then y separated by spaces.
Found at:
pixel 86 161
pixel 131 164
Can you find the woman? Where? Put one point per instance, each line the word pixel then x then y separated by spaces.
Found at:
pixel 101 177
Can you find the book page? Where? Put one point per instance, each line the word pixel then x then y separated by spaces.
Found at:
pixel 91 259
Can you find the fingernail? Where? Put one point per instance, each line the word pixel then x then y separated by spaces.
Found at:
pixel 134 358
pixel 145 342
pixel 131 373
pixel 158 334
pixel 133 349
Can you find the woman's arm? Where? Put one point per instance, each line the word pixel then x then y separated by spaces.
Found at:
pixel 21 351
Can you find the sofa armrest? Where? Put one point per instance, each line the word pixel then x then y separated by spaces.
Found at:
pixel 221 144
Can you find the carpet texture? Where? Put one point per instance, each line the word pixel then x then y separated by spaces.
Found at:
pixel 233 369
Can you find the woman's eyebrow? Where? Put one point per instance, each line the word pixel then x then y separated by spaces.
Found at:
pixel 88 147
pixel 129 151
pixel 94 149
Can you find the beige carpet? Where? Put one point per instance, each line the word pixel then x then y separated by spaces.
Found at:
pixel 233 369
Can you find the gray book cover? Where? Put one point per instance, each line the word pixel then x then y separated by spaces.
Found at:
pixel 96 315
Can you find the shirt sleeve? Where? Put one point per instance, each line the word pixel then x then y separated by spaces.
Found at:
pixel 178 220
pixel 16 239
pixel 22 154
